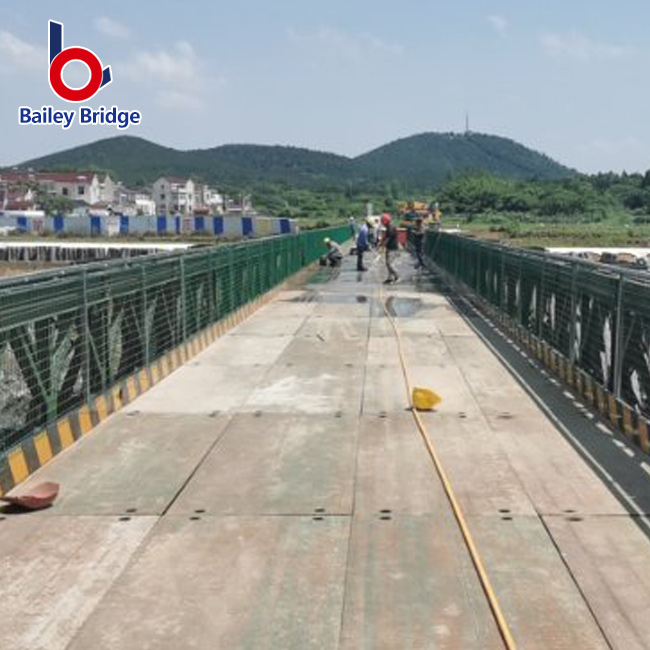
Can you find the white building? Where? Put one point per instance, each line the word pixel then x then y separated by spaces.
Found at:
pixel 135 202
pixel 209 199
pixel 174 195
pixel 144 204
pixel 84 187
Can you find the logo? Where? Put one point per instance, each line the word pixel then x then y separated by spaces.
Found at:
pixel 60 57
pixel 100 76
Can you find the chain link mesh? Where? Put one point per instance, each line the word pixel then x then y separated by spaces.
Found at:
pixel 68 335
pixel 597 316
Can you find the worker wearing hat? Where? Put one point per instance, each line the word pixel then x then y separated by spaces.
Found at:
pixel 391 246
pixel 334 253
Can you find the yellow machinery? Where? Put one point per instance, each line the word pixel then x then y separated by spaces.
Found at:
pixel 428 212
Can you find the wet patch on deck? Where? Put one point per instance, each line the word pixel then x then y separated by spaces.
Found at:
pixel 401 307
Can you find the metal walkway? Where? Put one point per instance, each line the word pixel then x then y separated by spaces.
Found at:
pixel 275 494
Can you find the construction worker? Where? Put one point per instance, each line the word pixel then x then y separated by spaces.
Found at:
pixel 353 227
pixel 391 246
pixel 418 242
pixel 373 235
pixel 363 243
pixel 334 255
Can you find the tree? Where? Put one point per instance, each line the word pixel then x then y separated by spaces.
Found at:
pixel 55 204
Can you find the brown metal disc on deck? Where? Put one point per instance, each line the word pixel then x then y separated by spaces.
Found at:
pixel 40 496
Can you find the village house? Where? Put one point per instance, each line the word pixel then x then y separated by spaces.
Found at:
pixel 22 187
pixel 174 195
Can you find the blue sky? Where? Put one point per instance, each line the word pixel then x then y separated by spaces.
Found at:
pixel 566 78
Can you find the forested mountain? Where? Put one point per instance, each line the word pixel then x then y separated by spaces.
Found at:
pixel 432 158
pixel 422 161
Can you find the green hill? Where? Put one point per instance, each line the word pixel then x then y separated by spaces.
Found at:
pixel 420 161
pixel 432 158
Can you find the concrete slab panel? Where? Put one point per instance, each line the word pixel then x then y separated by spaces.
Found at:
pixel 260 325
pixel 553 473
pixel 538 596
pixel 295 295
pixel 555 476
pixel 56 570
pixel 331 353
pixel 283 308
pixel 200 389
pixel 425 350
pixel 609 558
pixel 308 389
pixel 394 470
pixel 277 464
pixel 228 582
pixel 346 307
pixel 411 584
pixel 385 389
pixel 242 350
pixel 493 386
pixel 479 469
pixel 381 327
pixel 335 329
pixel 452 325
pixel 129 464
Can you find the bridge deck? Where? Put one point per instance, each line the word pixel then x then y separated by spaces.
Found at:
pixel 274 493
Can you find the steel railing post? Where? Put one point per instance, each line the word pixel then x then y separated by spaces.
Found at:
pixel 145 318
pixel 86 335
pixel 619 334
pixel 520 297
pixel 540 300
pixel 573 314
pixel 183 299
pixel 503 283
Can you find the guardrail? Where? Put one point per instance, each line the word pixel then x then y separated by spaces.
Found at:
pixel 66 336
pixel 594 316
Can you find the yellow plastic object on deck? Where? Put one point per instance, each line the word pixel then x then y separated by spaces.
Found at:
pixel 425 399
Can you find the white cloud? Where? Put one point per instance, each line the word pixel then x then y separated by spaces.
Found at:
pixel 350 47
pixel 180 67
pixel 15 53
pixel 576 46
pixel 112 28
pixel 499 23
pixel 176 100
pixel 179 76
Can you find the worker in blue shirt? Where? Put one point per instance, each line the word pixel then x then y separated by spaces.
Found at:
pixel 362 245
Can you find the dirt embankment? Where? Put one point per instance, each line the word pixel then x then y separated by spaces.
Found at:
pixel 23 268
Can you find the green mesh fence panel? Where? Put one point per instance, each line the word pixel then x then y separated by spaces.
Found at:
pixel 597 316
pixel 68 335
